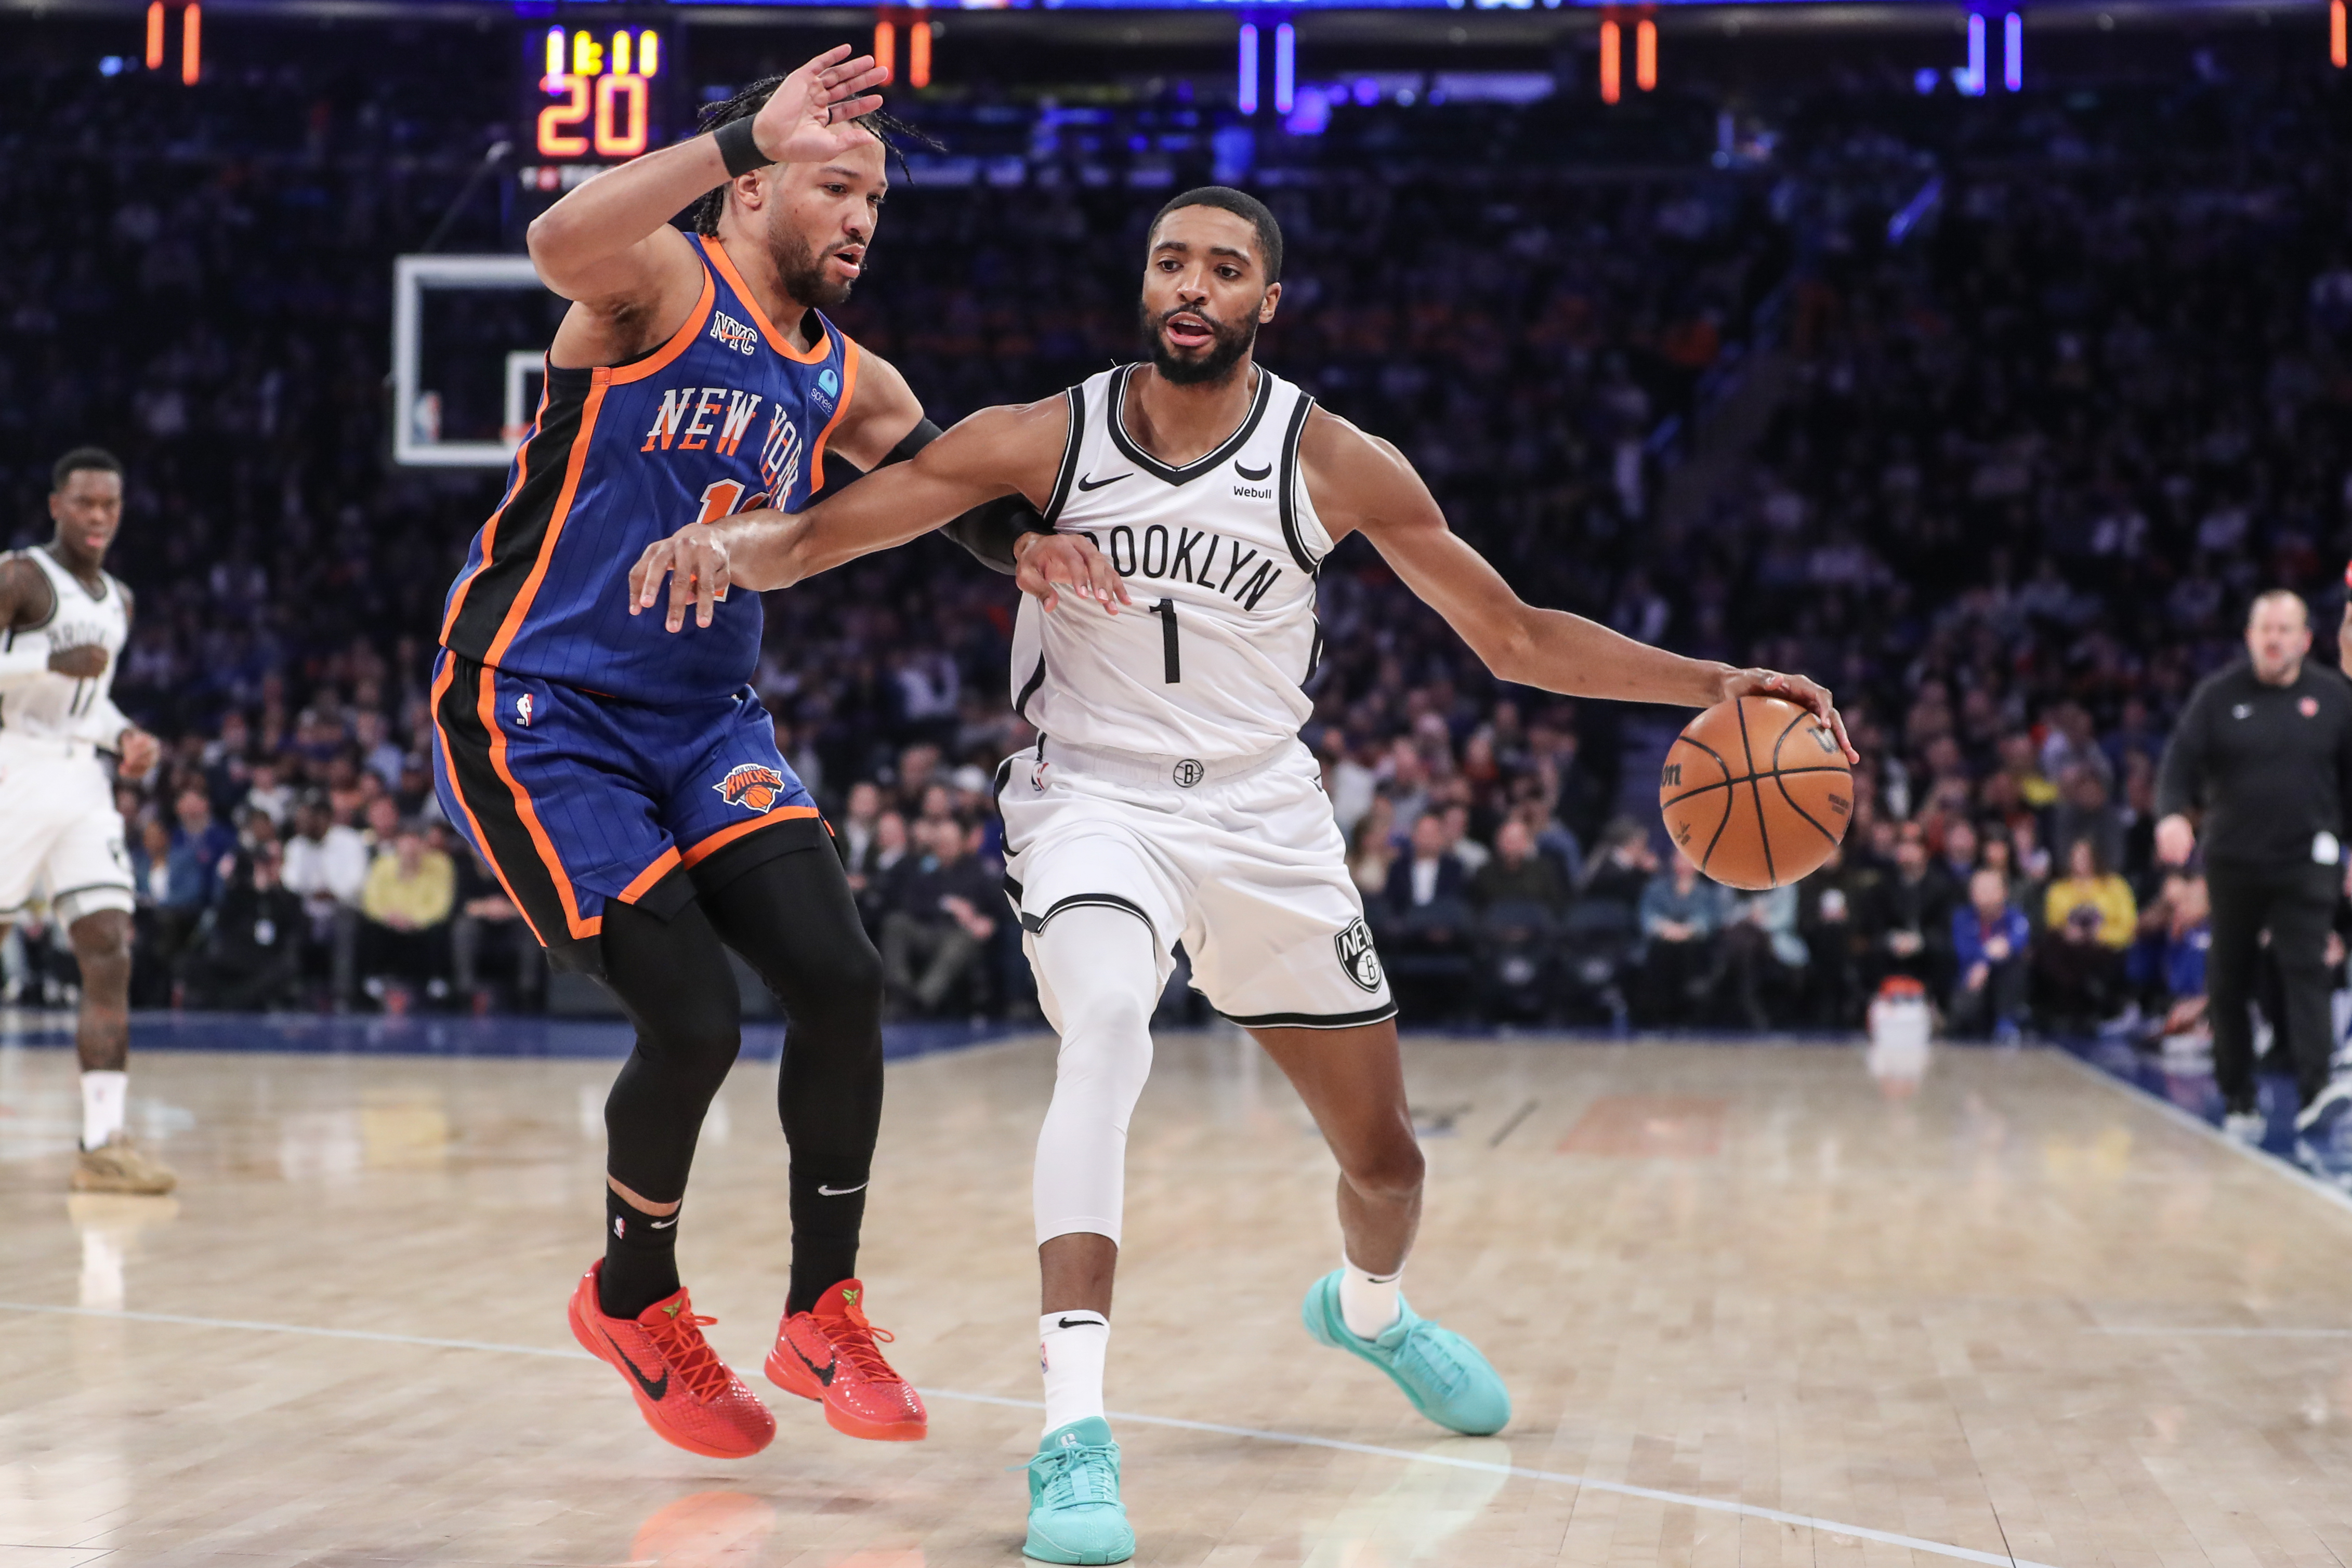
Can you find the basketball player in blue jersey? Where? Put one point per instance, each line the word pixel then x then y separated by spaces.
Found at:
pixel 1170 800
pixel 625 784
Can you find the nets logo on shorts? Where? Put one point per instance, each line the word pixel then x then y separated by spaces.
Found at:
pixel 1188 773
pixel 1357 956
pixel 752 786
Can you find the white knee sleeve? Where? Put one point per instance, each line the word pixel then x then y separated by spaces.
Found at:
pixel 1098 978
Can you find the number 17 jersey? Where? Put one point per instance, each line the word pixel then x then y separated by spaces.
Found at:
pixel 729 414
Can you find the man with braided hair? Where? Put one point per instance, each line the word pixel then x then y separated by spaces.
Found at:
pixel 625 784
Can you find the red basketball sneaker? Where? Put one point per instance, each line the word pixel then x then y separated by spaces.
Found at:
pixel 682 1388
pixel 828 1353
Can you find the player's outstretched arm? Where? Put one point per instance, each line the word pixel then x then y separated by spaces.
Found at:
pixel 996 451
pixel 1361 483
pixel 608 245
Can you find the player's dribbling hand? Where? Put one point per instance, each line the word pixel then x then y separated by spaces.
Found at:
pixel 1805 694
pixel 1056 561
pixel 695 560
pixel 807 120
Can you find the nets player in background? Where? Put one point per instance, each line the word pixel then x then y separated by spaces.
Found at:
pixel 626 785
pixel 1170 800
pixel 62 625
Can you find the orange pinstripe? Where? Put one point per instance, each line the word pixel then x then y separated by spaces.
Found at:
pixel 642 884
pixel 719 841
pixel 776 341
pixel 849 390
pixel 440 688
pixel 581 930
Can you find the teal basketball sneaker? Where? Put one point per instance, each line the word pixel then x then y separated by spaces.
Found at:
pixel 1075 1515
pixel 1442 1372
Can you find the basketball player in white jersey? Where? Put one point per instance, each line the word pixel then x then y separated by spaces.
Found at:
pixel 62 625
pixel 1169 799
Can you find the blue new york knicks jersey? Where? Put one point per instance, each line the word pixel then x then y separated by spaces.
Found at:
pixel 727 415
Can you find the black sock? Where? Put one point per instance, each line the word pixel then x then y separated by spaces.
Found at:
pixel 825 1222
pixel 640 1258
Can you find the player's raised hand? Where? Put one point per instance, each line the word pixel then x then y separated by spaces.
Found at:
pixel 1047 563
pixel 1797 689
pixel 695 560
pixel 807 118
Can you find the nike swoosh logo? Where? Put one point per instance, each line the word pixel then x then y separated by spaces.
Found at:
pixel 821 1374
pixel 1081 1324
pixel 654 1391
pixel 825 1191
pixel 1099 483
pixel 662 1224
pixel 1253 473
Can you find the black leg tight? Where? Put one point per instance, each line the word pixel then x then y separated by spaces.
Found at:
pixel 791 917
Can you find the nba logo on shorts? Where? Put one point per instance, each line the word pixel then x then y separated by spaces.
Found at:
pixel 1356 955
pixel 522 709
pixel 750 786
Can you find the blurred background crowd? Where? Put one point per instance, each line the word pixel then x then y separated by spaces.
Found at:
pixel 1993 421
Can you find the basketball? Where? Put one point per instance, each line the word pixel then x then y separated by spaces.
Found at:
pixel 1756 792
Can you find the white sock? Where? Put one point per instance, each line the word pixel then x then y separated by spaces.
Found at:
pixel 1071 1347
pixel 103 1097
pixel 1369 1303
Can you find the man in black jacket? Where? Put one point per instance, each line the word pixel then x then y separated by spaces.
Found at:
pixel 2264 750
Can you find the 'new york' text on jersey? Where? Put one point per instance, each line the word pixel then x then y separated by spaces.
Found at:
pixel 1218 555
pixel 727 415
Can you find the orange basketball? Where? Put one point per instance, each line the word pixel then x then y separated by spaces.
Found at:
pixel 1756 792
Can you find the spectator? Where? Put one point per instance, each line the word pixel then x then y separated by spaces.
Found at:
pixel 210 843
pixel 938 928
pixel 2088 884
pixel 326 864
pixel 411 890
pixel 1764 958
pixel 2084 812
pixel 2166 964
pixel 1625 866
pixel 1991 944
pixel 1682 914
pixel 488 926
pixel 1517 873
pixel 857 826
pixel 248 957
pixel 1907 926
pixel 1424 923
pixel 1960 850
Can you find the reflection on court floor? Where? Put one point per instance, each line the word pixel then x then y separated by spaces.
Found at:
pixel 1776 1303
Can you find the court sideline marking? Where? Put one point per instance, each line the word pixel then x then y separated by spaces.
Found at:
pixel 1296 1439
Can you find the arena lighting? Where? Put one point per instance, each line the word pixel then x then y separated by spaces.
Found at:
pixel 1645 55
pixel 1609 63
pixel 192 47
pixel 918 54
pixel 155 34
pixel 1285 68
pixel 1972 80
pixel 2337 51
pixel 1246 93
pixel 2012 52
pixel 885 48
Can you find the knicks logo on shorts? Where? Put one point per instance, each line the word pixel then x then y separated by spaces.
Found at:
pixel 1357 956
pixel 752 786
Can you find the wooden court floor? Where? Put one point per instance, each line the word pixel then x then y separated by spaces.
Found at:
pixel 1756 1308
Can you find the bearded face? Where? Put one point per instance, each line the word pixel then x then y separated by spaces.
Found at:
pixel 805 271
pixel 1189 347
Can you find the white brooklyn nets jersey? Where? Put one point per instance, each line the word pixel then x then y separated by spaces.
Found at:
pixel 50 706
pixel 1218 556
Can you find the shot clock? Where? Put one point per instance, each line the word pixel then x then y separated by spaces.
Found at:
pixel 592 96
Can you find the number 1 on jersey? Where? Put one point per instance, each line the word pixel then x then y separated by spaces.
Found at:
pixel 1166 610
pixel 718 499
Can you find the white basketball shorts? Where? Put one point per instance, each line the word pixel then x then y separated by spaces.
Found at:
pixel 1245 867
pixel 60 832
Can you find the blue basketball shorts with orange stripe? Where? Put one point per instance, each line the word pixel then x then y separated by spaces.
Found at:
pixel 575 798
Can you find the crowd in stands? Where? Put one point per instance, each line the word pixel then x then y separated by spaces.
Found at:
pixel 2035 449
